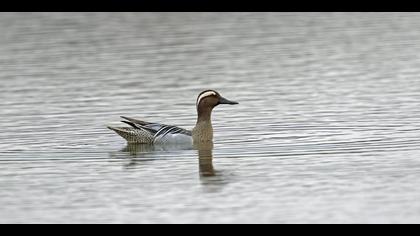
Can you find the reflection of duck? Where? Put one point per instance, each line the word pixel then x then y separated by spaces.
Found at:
pixel 205 160
pixel 135 148
pixel 139 152
pixel 135 154
pixel 155 133
pixel 211 178
pixel 143 154
pixel 142 151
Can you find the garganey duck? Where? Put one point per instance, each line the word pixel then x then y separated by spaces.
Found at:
pixel 155 133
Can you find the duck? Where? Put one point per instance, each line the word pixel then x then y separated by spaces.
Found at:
pixel 143 132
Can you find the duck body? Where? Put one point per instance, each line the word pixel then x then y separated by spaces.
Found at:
pixel 156 133
pixel 152 133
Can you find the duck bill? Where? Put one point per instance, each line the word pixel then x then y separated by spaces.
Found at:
pixel 223 100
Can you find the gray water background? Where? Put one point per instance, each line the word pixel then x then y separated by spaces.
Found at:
pixel 327 130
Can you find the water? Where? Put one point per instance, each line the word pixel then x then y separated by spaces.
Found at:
pixel 327 130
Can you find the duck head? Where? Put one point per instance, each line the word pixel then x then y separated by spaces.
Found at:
pixel 207 100
pixel 210 99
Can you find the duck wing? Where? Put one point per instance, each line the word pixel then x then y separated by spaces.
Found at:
pixel 159 131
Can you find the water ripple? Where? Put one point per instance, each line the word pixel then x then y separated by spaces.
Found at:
pixel 327 129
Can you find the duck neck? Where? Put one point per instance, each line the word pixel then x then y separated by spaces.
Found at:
pixel 204 115
pixel 203 131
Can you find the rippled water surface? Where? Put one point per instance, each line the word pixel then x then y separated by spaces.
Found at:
pixel 327 130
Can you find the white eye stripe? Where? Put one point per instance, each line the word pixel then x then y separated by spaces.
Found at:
pixel 206 94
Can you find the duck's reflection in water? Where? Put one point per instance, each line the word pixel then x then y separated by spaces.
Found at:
pixel 209 176
pixel 135 150
pixel 205 163
pixel 205 159
pixel 141 154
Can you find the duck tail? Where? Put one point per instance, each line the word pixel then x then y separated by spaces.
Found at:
pixel 130 123
pixel 135 121
pixel 133 135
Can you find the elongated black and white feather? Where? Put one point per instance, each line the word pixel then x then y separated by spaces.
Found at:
pixel 152 132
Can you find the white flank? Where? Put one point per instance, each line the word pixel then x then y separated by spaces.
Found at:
pixel 174 139
pixel 209 93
